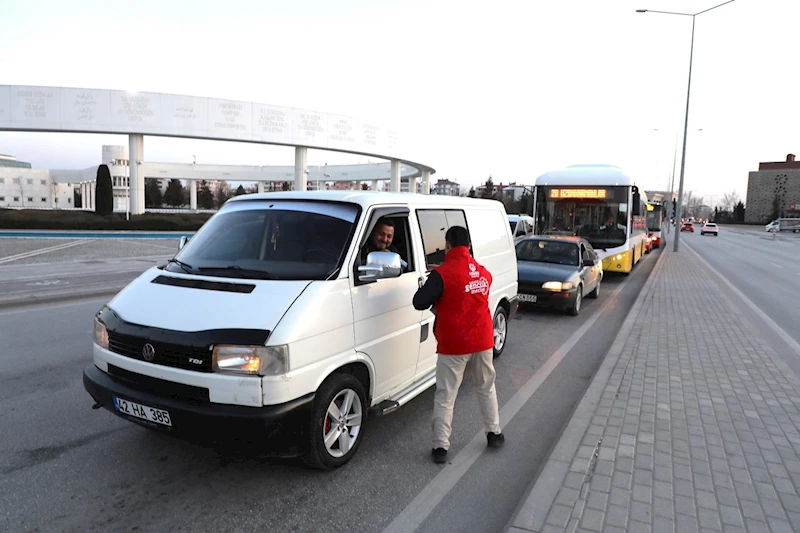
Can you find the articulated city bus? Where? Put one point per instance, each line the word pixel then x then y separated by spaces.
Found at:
pixel 655 221
pixel 599 203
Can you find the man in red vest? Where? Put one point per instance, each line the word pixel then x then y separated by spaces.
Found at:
pixel 458 290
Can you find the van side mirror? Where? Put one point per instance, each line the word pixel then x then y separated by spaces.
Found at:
pixel 381 265
pixel 183 241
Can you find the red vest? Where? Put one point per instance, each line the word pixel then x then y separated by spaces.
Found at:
pixel 463 319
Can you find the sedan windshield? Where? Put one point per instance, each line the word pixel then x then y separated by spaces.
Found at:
pixel 276 240
pixel 542 251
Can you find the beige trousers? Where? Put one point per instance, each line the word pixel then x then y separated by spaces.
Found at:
pixel 450 370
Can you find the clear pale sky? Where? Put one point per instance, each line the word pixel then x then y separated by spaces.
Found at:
pixel 507 88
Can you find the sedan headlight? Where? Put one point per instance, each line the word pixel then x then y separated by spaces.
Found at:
pixel 557 286
pixel 257 360
pixel 100 334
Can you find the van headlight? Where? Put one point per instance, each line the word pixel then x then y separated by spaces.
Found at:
pixel 557 286
pixel 257 360
pixel 100 334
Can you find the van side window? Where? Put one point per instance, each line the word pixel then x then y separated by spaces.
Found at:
pixel 434 224
pixel 397 225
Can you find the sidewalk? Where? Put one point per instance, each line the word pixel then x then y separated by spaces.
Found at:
pixel 692 423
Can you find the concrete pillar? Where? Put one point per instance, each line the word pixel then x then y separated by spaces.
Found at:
pixel 426 182
pixel 260 186
pixel 374 185
pixel 300 167
pixel 394 184
pixel 136 157
pixel 193 194
pixel 412 184
pixel 84 199
pixel 92 192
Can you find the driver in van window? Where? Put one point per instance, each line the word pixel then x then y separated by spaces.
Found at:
pixel 381 238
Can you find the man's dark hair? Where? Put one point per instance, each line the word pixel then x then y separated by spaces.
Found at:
pixel 383 221
pixel 457 236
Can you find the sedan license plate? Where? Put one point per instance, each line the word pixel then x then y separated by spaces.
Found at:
pixel 151 414
pixel 530 298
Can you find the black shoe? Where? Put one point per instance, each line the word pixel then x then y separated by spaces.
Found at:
pixel 495 440
pixel 439 455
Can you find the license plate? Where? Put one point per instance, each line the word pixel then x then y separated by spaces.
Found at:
pixel 151 414
pixel 530 298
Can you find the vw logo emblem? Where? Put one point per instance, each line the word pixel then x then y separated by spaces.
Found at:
pixel 148 352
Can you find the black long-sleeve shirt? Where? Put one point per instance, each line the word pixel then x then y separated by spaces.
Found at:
pixel 431 291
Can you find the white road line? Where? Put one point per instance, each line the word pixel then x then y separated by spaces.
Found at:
pixel 434 492
pixel 38 307
pixel 40 251
pixel 793 344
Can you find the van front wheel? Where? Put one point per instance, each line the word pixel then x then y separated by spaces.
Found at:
pixel 337 422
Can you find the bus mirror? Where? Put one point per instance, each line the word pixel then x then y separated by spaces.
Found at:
pixel 637 208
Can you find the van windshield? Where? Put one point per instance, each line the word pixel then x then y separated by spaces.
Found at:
pixel 270 240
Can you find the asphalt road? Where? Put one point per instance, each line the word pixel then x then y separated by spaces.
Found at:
pixel 765 269
pixel 66 467
pixel 44 268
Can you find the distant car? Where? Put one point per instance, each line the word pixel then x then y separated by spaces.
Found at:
pixel 557 271
pixel 710 228
pixel 687 226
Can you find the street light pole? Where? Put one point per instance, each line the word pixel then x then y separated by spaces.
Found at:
pixel 679 207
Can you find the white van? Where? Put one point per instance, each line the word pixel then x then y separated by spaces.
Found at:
pixel 268 322
pixel 521 226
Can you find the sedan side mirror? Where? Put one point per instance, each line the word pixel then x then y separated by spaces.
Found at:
pixel 588 262
pixel 184 239
pixel 381 265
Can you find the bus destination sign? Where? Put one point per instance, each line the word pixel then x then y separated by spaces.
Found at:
pixel 588 194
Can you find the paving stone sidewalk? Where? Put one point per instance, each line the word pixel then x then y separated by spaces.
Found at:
pixel 692 423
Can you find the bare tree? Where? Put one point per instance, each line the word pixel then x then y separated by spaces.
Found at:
pixel 729 201
pixel 692 203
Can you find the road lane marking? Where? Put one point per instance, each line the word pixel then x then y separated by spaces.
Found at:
pixel 440 486
pixel 38 306
pixel 41 251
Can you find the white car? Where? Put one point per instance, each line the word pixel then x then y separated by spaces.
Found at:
pixel 710 228
pixel 521 226
pixel 275 320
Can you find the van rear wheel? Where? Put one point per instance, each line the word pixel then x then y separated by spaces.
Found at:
pixel 500 326
pixel 337 422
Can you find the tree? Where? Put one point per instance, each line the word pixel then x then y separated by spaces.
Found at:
pixel 222 193
pixel 287 186
pixel 729 201
pixel 776 207
pixel 152 193
pixel 205 198
pixel 251 189
pixel 738 212
pixel 173 196
pixel 104 192
pixel 240 190
pixel 471 192
pixel 488 188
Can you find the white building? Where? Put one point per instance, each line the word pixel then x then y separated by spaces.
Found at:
pixel 447 188
pixel 33 188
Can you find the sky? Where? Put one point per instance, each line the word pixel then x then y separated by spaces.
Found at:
pixel 510 89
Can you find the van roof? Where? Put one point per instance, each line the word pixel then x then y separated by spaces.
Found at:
pixel 368 198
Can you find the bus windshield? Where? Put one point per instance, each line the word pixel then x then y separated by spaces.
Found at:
pixel 600 215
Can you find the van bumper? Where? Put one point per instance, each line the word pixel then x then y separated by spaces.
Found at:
pixel 283 426
pixel 514 307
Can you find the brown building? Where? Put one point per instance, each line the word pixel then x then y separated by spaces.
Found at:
pixel 773 191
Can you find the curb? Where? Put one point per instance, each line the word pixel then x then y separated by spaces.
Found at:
pixel 33 299
pixel 531 514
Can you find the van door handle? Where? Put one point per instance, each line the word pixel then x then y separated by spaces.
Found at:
pixel 421 282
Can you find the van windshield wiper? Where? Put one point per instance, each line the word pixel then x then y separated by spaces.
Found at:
pixel 184 266
pixel 243 272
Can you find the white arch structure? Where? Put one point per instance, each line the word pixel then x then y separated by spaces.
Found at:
pixel 77 110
